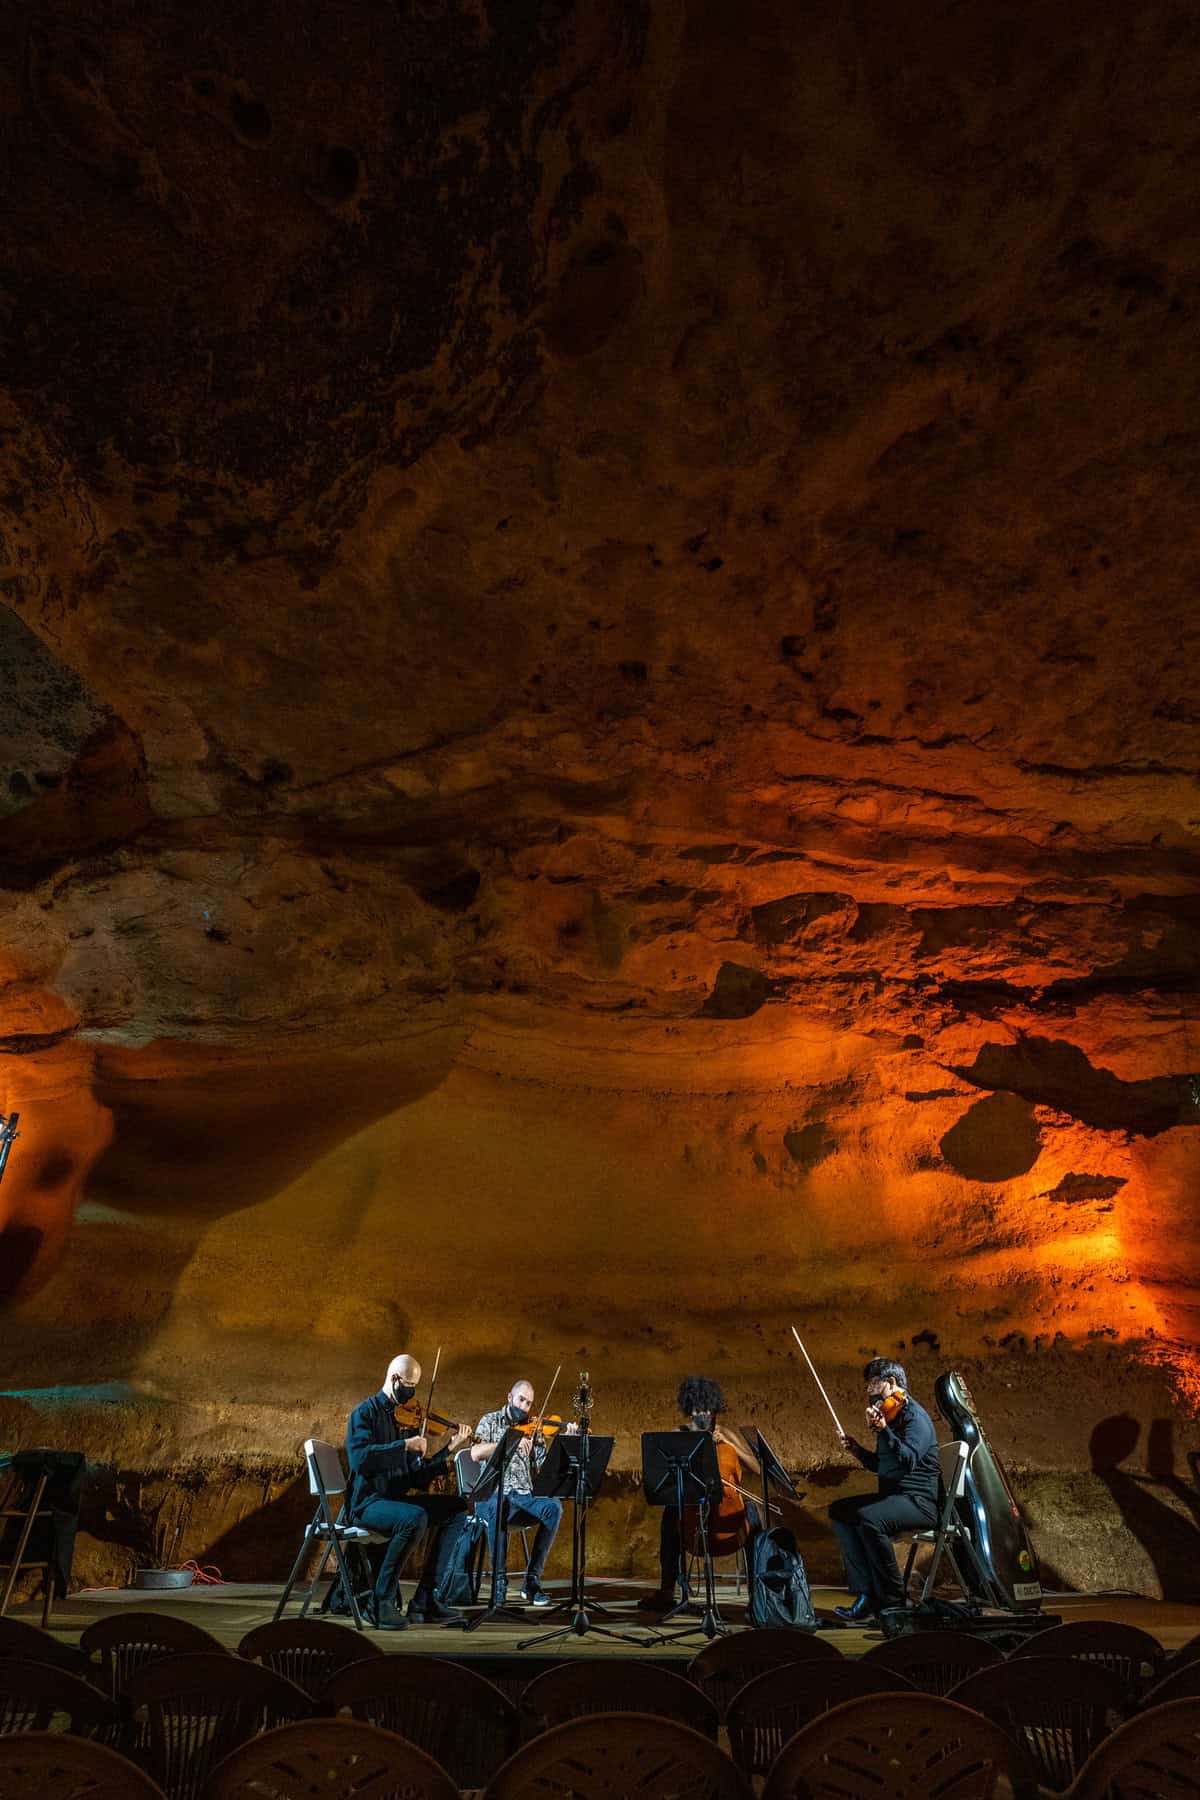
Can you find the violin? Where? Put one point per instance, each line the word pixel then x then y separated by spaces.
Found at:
pixel 890 1405
pixel 548 1427
pixel 411 1416
pixel 422 1421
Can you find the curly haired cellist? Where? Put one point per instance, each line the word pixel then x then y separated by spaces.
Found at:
pixel 701 1402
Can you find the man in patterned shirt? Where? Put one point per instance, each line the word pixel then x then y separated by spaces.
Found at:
pixel 521 1506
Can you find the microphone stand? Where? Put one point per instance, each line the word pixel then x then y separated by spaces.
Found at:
pixel 8 1132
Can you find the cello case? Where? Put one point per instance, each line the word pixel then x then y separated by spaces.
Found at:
pixel 1006 1566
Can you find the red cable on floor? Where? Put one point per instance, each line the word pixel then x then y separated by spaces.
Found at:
pixel 208 1576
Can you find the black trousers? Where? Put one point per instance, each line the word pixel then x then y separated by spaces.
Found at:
pixel 438 1518
pixel 864 1525
pixel 668 1543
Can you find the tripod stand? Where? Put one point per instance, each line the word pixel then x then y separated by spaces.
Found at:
pixel 8 1131
pixel 492 1481
pixel 680 1468
pixel 573 1471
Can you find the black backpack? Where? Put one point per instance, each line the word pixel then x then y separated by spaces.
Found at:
pixel 778 1584
pixel 459 1581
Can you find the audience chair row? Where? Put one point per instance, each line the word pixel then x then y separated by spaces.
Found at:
pixel 926 1744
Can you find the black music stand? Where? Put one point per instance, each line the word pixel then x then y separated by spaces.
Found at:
pixel 573 1470
pixel 492 1481
pixel 771 1469
pixel 680 1468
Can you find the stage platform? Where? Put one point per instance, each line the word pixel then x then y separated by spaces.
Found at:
pixel 231 1610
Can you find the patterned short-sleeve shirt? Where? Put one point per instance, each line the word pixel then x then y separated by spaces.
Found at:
pixel 518 1475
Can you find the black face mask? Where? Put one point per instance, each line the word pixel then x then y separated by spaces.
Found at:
pixel 518 1414
pixel 402 1392
pixel 703 1421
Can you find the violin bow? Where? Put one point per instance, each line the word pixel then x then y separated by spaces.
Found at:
pixel 546 1401
pixel 432 1384
pixel 825 1397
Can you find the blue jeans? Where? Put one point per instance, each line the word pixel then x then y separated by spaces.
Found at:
pixel 526 1509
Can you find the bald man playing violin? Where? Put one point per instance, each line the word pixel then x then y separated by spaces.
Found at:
pixel 389 1468
pixel 521 1505
pixel 906 1461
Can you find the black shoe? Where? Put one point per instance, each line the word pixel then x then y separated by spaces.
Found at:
pixel 861 1613
pixel 385 1615
pixel 535 1594
pixel 427 1609
pixel 660 1601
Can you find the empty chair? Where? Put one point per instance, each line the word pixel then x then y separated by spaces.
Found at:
pixel 339 1759
pixel 949 1537
pixel 199 1707
pixel 902 1747
pixel 934 1661
pixel 1182 1683
pixel 728 1663
pixel 19 1638
pixel 575 1690
pixel 619 1754
pixel 1057 1709
pixel 50 1765
pixel 33 1693
pixel 122 1642
pixel 307 1651
pixel 1127 1650
pixel 464 1723
pixel 1155 1753
pixel 773 1707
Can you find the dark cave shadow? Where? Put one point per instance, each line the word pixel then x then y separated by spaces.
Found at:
pixel 1170 1541
pixel 261 1546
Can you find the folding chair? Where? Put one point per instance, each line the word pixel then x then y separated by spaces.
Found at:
pixel 949 1534
pixel 325 1481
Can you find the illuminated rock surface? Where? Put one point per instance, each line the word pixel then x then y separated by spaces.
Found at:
pixel 600 729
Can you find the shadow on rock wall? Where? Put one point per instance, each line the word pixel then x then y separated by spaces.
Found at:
pixel 1169 1533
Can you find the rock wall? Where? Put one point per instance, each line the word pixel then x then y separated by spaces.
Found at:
pixel 599 739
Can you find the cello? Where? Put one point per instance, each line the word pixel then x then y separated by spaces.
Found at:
pixel 726 1527
pixel 1003 1566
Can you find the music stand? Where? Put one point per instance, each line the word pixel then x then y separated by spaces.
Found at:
pixel 680 1468
pixel 771 1469
pixel 492 1481
pixel 573 1470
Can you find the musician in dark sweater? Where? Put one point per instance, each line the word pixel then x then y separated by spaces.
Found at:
pixel 906 1461
pixel 389 1471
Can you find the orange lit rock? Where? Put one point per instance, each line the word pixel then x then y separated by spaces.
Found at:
pixel 600 728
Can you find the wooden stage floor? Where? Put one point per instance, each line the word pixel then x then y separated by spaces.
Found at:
pixel 231 1610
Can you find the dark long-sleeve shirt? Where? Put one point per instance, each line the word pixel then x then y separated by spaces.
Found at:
pixel 381 1464
pixel 905 1455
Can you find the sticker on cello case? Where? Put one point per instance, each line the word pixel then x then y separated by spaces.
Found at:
pixel 1027 1590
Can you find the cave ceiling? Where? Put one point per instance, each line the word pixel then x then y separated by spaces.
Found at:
pixel 620 579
